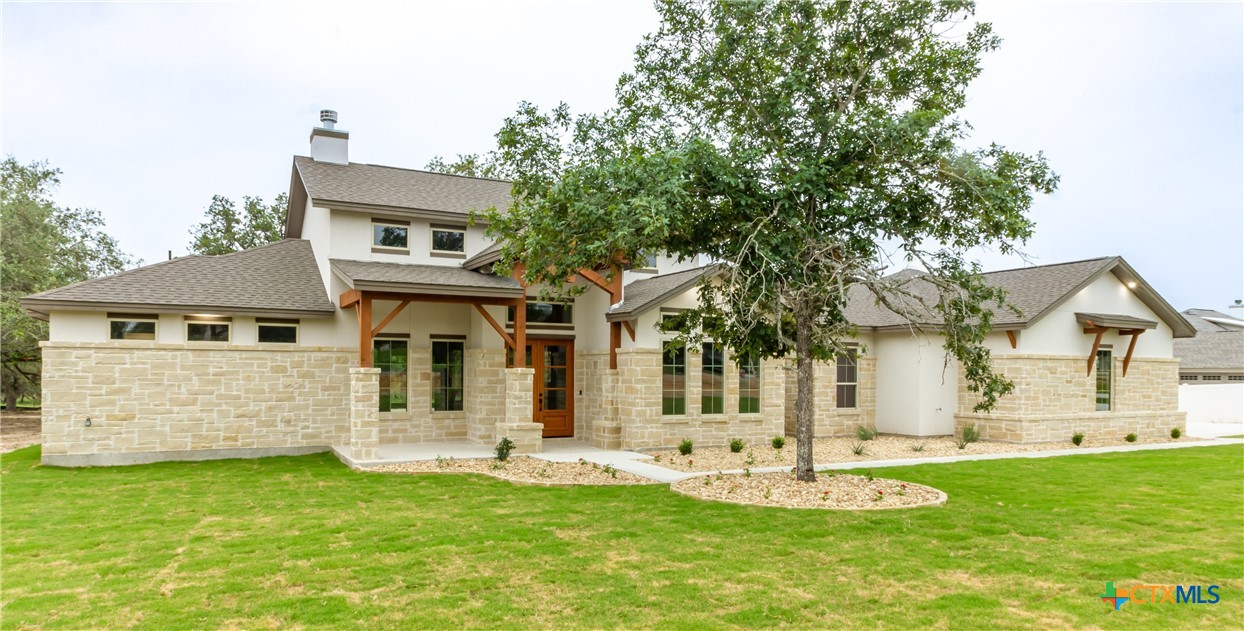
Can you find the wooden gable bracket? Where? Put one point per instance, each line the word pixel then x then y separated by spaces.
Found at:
pixel 1092 358
pixel 1127 360
pixel 389 318
pixel 1010 335
pixel 613 287
pixel 630 329
pixel 509 341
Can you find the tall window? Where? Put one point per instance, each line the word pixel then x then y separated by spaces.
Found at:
pixel 1105 368
pixel 673 378
pixel 447 376
pixel 390 235
pixel 749 384
pixel 390 356
pixel 712 380
pixel 847 376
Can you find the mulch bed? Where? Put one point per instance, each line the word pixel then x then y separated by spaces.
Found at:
pixel 830 491
pixel 523 470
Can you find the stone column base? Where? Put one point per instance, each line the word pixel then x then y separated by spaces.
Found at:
pixel 365 413
pixel 528 437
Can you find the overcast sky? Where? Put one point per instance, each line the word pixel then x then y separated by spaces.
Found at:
pixel 150 109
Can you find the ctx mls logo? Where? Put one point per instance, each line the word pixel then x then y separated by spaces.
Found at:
pixel 1160 594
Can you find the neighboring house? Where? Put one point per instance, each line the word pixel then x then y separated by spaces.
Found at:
pixel 378 321
pixel 1216 354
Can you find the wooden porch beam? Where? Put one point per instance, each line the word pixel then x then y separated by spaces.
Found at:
pixel 630 330
pixel 389 318
pixel 1092 358
pixel 520 333
pixel 1127 360
pixel 365 335
pixel 1010 335
pixel 509 341
pixel 349 298
pixel 394 296
pixel 615 342
pixel 596 279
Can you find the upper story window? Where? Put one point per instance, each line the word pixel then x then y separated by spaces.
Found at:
pixel 545 313
pixel 449 241
pixel 131 327
pixel 202 329
pixel 390 235
pixel 646 263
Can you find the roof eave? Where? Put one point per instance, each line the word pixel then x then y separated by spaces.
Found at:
pixel 36 307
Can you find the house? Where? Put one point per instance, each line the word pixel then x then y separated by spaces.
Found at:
pixel 1216 354
pixel 379 321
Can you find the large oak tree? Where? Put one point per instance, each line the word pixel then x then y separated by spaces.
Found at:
pixel 806 145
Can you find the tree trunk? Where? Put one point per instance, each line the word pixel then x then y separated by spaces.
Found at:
pixel 10 399
pixel 805 412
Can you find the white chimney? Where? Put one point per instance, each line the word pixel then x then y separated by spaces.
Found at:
pixel 329 144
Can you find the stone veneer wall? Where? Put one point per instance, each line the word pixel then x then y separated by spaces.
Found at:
pixel 638 401
pixel 483 404
pixel 596 410
pixel 830 419
pixel 517 425
pixel 1054 398
pixel 149 402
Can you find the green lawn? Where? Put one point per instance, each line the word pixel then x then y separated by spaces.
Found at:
pixel 287 542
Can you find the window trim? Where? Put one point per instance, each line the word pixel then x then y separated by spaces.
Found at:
pixel 434 228
pixel 406 401
pixel 1106 362
pixel 376 248
pixel 189 320
pixel 561 326
pixel 650 265
pixel 852 354
pixel 665 357
pixel 750 359
pixel 721 390
pixel 444 339
pixel 270 322
pixel 134 317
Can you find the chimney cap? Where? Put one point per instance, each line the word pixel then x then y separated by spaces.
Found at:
pixel 328 118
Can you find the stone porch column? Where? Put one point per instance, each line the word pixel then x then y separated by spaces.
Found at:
pixel 365 414
pixel 518 425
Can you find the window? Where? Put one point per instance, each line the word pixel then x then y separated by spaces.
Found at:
pixel 749 384
pixel 712 380
pixel 447 376
pixel 131 327
pixel 672 322
pixel 1235 377
pixel 544 313
pixel 447 240
pixel 1211 377
pixel 647 263
pixel 277 331
pixel 673 378
pixel 1187 377
pixel 847 376
pixel 1105 369
pixel 390 356
pixel 213 330
pixel 390 235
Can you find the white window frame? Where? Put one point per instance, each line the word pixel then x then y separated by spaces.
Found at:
pixel 390 224
pixel 186 329
pixel 153 319
pixel 296 326
pixel 650 264
pixel 432 230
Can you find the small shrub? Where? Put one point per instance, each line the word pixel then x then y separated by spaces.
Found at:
pixel 918 447
pixel 442 461
pixel 768 492
pixel 736 445
pixel 970 434
pixel 1131 438
pixel 1077 438
pixel 685 447
pixel 863 433
pixel 869 475
pixel 751 458
pixel 503 449
pixel 1176 432
pixel 657 458
pixel 779 442
pixel 498 464
pixel 747 472
pixel 613 473
pixel 879 496
pixel 858 448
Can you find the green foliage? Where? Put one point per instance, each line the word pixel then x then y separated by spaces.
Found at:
pixel 44 247
pixel 471 165
pixel 970 433
pixel 736 445
pixel 1077 438
pixel 801 144
pixel 863 433
pixel 609 469
pixel 685 447
pixel 1131 438
pixel 225 229
pixel 1176 433
pixel 503 449
pixel 858 447
pixel 918 447
pixel 778 442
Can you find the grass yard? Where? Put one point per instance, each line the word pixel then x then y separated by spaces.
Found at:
pixel 305 542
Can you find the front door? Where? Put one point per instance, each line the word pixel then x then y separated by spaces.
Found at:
pixel 553 386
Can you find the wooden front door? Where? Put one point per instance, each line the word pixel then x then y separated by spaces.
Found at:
pixel 553 386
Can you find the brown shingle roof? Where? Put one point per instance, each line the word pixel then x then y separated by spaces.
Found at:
pixel 280 277
pixel 1216 347
pixel 641 295
pixel 411 277
pixel 411 189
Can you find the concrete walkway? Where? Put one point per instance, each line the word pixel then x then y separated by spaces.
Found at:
pixel 570 450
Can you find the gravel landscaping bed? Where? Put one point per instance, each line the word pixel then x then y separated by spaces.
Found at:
pixel 19 429
pixel 839 449
pixel 834 491
pixel 523 470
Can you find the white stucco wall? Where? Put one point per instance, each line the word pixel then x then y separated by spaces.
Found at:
pixel 1058 333
pixel 917 393
pixel 1219 403
pixel 350 237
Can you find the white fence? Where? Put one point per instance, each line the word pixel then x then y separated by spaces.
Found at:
pixel 1213 409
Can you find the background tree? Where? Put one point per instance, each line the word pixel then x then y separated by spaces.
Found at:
pixel 227 230
pixel 807 145
pixel 471 164
pixel 42 246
